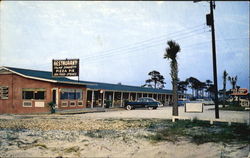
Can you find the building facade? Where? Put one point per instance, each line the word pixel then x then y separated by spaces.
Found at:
pixel 30 91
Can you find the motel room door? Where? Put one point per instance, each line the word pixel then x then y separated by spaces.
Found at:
pixel 55 96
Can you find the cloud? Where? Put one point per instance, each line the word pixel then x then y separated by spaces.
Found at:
pixel 52 30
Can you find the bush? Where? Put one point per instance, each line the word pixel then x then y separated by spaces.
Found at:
pixel 52 107
pixel 108 103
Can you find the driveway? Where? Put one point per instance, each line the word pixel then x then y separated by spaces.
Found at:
pixel 166 113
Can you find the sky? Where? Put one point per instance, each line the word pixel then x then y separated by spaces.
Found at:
pixel 122 41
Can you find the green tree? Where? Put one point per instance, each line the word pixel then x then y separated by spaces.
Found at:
pixel 202 87
pixel 208 84
pixel 211 90
pixel 182 86
pixel 225 74
pixel 194 84
pixel 171 54
pixel 156 78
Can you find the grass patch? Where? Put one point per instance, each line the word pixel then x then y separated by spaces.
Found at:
pixel 41 145
pixel 201 132
pixel 93 134
pixel 234 108
pixel 72 149
pixel 100 133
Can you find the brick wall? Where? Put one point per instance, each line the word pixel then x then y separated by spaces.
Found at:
pixel 14 104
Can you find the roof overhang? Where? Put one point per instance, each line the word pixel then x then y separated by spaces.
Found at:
pixel 43 79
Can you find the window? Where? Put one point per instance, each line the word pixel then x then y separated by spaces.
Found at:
pixel 142 100
pixel 4 92
pixel 40 95
pixel 71 94
pixel 34 93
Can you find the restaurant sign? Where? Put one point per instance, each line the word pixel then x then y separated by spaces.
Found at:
pixel 240 91
pixel 68 67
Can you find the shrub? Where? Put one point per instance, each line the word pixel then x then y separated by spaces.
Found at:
pixel 52 107
pixel 108 103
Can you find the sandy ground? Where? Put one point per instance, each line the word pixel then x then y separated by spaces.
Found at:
pixel 166 113
pixel 45 138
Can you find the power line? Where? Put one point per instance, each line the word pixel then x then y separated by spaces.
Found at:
pixel 155 39
pixel 102 57
pixel 142 45
pixel 151 40
pixel 149 46
pixel 130 52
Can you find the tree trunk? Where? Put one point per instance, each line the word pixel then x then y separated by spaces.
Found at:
pixel 175 100
pixel 174 76
pixel 224 93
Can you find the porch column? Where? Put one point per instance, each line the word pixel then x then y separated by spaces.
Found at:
pixel 92 99
pixel 103 98
pixel 166 98
pixel 147 94
pixel 129 96
pixel 136 97
pixel 113 99
pixel 121 99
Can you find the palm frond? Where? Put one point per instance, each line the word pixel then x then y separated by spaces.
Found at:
pixel 172 50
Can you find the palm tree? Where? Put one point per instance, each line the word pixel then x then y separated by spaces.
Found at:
pixel 224 86
pixel 171 54
pixel 233 81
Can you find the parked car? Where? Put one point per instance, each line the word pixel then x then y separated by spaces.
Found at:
pixel 181 102
pixel 200 100
pixel 144 102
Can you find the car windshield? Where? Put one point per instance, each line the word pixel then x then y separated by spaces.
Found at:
pixel 150 99
pixel 143 99
pixel 146 100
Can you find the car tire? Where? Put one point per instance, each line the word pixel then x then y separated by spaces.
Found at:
pixel 150 108
pixel 129 107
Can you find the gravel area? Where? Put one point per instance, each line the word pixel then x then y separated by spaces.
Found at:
pixel 166 113
pixel 106 134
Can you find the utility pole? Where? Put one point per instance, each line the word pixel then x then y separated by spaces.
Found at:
pixel 212 6
pixel 210 22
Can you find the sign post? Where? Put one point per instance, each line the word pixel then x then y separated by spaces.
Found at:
pixel 68 67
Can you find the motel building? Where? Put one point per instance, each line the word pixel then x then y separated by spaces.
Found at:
pixel 30 91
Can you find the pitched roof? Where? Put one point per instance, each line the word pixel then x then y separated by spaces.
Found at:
pixel 47 76
pixel 41 75
pixel 119 87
